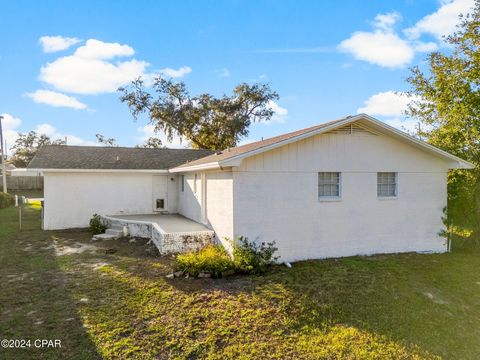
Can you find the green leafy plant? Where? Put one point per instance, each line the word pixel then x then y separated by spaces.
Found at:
pixel 251 258
pixel 6 200
pixel 96 225
pixel 212 259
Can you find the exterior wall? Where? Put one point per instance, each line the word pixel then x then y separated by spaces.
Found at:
pixel 189 200
pixel 71 198
pixel 219 205
pixel 218 202
pixel 275 198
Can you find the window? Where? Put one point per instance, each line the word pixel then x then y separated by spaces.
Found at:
pixel 328 185
pixel 195 184
pixel 386 184
pixel 182 179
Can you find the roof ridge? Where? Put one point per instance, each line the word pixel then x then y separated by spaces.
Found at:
pixel 122 147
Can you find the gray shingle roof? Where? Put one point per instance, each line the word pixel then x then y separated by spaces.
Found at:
pixel 115 158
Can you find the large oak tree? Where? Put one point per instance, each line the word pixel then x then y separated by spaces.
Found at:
pixel 206 121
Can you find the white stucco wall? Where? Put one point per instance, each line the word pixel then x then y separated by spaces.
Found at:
pixel 218 201
pixel 276 198
pixel 71 198
pixel 189 200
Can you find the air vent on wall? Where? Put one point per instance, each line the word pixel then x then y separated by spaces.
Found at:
pixel 352 129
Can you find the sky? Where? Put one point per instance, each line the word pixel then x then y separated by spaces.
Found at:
pixel 61 62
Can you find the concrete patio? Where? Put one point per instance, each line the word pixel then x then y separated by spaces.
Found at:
pixel 168 223
pixel 170 233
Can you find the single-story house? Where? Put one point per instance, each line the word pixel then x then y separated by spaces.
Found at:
pixel 347 187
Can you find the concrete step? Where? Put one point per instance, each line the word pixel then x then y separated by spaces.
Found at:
pixel 104 237
pixel 115 232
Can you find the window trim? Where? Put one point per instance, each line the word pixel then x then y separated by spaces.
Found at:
pixel 330 198
pixel 389 197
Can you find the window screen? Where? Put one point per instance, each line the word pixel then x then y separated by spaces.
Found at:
pixel 386 184
pixel 328 184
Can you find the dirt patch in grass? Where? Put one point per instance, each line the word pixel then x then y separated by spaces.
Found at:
pixel 62 285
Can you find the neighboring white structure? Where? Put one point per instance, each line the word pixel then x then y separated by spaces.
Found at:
pixel 25 172
pixel 348 187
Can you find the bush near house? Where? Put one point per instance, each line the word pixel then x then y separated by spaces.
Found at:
pixel 250 258
pixel 96 225
pixel 212 259
pixel 6 200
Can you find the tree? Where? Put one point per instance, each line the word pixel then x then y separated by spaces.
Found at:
pixel 106 141
pixel 446 99
pixel 153 143
pixel 206 121
pixel 27 145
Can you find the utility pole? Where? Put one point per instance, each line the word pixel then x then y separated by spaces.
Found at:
pixel 4 165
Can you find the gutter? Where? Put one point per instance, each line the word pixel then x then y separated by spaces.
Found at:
pixel 208 166
pixel 145 171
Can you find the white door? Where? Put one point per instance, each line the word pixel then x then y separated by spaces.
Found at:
pixel 160 193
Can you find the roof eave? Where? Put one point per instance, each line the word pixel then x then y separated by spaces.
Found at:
pixel 185 168
pixel 148 171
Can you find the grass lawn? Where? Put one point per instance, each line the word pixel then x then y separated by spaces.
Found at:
pixel 60 285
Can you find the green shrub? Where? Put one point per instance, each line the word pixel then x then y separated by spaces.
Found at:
pixel 212 259
pixel 250 258
pixel 6 200
pixel 96 225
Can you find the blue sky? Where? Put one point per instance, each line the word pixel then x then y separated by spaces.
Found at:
pixel 60 62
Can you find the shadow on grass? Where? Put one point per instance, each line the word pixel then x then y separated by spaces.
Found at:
pixel 35 302
pixel 425 305
pixel 402 306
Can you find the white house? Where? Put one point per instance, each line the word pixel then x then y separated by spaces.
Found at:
pixel 347 187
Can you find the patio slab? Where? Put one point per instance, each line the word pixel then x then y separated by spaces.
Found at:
pixel 168 223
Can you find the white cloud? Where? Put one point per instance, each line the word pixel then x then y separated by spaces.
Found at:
pixel 54 134
pixel 408 125
pixel 279 113
pixel 96 49
pixel 382 46
pixel 443 21
pixel 10 122
pixel 148 131
pixel 388 103
pixel 178 73
pixel 391 105
pixel 10 126
pixel 386 21
pixel 420 46
pixel 88 72
pixel 52 44
pixel 223 73
pixel 56 99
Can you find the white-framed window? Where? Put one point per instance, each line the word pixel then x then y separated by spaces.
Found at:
pixel 386 184
pixel 182 179
pixel 195 184
pixel 328 185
